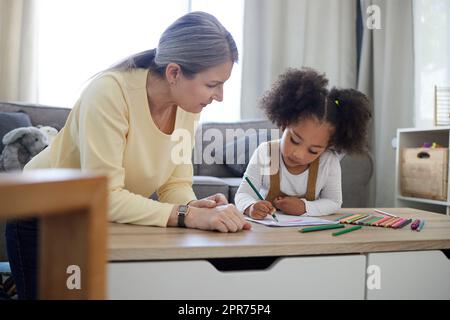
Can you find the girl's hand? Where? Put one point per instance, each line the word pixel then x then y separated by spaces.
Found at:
pixel 290 205
pixel 260 209
pixel 223 218
pixel 217 199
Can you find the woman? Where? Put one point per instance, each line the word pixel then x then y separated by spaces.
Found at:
pixel 123 125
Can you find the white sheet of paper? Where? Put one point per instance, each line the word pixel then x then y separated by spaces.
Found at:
pixel 285 220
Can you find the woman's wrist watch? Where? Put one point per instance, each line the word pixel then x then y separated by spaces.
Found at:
pixel 182 211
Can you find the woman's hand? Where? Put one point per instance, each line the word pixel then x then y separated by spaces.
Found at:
pixel 290 205
pixel 223 218
pixel 210 202
pixel 259 210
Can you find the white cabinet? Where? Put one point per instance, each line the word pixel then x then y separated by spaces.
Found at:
pixel 399 275
pixel 414 138
pixel 417 275
pixel 314 277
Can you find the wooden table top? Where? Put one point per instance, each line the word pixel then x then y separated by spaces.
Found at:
pixel 132 243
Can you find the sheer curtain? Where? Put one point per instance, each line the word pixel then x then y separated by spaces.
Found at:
pixel 386 74
pixel 17 50
pixel 294 33
pixel 231 15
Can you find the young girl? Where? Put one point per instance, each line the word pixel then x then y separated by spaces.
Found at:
pixel 300 173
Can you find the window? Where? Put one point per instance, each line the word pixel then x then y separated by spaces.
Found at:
pixel 431 54
pixel 232 17
pixel 78 38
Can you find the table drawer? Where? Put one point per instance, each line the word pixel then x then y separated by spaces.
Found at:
pixel 312 277
pixel 410 275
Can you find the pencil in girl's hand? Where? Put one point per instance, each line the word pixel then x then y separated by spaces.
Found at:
pixel 274 216
pixel 260 197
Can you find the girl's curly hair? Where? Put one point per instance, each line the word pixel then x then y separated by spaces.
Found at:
pixel 300 94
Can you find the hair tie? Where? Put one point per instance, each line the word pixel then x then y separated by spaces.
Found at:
pixel 337 102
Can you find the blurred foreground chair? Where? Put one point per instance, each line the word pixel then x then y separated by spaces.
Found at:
pixel 72 208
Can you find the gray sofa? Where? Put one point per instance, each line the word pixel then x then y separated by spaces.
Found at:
pixel 212 173
pixel 225 176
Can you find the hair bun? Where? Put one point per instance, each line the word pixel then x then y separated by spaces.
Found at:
pixel 349 110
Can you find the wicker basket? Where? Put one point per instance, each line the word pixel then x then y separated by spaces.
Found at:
pixel 424 173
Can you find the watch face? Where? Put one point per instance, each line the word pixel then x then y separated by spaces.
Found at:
pixel 182 209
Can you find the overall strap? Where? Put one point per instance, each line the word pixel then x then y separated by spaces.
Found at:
pixel 312 179
pixel 274 189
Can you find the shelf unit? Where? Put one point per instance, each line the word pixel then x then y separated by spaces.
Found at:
pixel 413 138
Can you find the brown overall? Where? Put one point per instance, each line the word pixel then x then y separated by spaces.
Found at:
pixel 274 190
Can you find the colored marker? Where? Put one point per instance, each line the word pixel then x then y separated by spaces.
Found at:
pixel 343 217
pixel 386 222
pixel 365 220
pixel 372 222
pixel 389 224
pixel 385 213
pixel 260 197
pixel 415 224
pixel 420 227
pixel 404 223
pixel 347 230
pixel 345 220
pixel 379 222
pixel 322 227
pixel 399 222
pixel 363 216
pixel 369 221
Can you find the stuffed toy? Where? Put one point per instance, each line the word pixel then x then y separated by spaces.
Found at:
pixel 21 144
pixel 50 132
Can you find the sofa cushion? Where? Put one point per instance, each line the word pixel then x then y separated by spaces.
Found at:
pixel 211 137
pixel 356 174
pixel 10 121
pixel 237 154
pixel 39 114
pixel 233 186
pixel 204 186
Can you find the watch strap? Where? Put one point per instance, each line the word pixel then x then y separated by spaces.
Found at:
pixel 182 212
